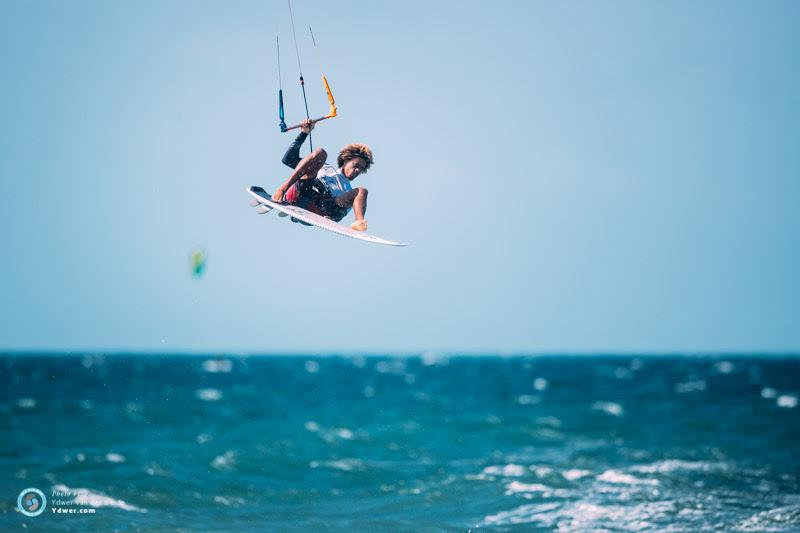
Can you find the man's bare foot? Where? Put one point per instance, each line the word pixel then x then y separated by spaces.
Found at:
pixel 359 225
pixel 277 196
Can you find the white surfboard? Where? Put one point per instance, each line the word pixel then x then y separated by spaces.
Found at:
pixel 264 200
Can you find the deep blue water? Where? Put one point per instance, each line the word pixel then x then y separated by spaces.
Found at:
pixel 431 443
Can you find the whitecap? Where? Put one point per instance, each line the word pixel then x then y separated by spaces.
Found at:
pixel 330 434
pixel 584 516
pixel 209 395
pixel 574 474
pixel 229 501
pixel 516 487
pixel 344 433
pixel 724 367
pixel 520 515
pixel 671 465
pixel 26 403
pixel 218 366
pixel 787 400
pixel 393 366
pixel 527 399
pixel 346 465
pixel 224 461
pixel 772 520
pixel 610 408
pixel 509 470
pixel 540 384
pixel 548 434
pixel 768 393
pixel 433 358
pixel 115 458
pixel 312 367
pixel 615 476
pixel 82 496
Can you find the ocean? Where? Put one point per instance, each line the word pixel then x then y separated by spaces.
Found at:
pixel 433 442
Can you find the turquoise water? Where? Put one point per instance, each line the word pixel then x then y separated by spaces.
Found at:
pixel 429 443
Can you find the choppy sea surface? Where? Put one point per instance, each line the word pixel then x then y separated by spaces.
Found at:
pixel 428 443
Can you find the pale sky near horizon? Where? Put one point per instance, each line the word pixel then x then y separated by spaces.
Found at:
pixel 572 176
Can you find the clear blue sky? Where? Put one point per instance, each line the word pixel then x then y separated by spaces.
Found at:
pixel 573 176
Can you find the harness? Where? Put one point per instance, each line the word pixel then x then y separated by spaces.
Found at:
pixel 314 196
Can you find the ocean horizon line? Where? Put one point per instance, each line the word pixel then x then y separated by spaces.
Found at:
pixel 403 354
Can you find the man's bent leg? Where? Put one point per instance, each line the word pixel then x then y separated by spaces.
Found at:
pixel 306 169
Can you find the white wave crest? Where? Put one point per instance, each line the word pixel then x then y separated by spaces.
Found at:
pixel 610 408
pixel 218 366
pixel 209 395
pixel 615 476
pixel 510 470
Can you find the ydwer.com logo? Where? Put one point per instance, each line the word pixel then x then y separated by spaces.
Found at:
pixel 31 502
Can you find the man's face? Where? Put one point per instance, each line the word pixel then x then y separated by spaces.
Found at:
pixel 354 167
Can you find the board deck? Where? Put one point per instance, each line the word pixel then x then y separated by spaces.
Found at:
pixel 264 198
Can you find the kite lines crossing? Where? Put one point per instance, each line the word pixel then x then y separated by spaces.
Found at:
pixel 332 103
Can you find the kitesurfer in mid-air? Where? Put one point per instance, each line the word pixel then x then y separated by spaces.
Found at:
pixel 322 188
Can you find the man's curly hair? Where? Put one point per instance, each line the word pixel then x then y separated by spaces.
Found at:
pixel 351 151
